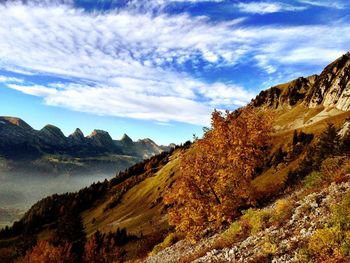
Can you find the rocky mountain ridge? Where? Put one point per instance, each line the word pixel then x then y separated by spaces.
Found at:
pixel 330 89
pixel 16 133
pixel 49 151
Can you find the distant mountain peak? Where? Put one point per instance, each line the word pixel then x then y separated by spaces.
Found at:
pixel 16 121
pixel 97 132
pixel 77 136
pixel 101 138
pixel 78 132
pixel 147 141
pixel 52 131
pixel 126 139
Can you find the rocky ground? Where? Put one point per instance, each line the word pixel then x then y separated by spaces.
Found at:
pixel 277 244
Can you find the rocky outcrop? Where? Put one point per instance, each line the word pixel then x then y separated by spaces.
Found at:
pixel 309 214
pixel 284 95
pixel 16 121
pixel 330 89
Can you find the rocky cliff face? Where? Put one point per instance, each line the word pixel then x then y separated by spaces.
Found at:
pixel 330 89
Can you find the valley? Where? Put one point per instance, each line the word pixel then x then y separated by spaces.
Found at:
pixel 35 164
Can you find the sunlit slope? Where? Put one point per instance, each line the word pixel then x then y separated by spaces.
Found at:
pixel 140 210
pixel 311 121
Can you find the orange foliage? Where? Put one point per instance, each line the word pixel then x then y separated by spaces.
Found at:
pixel 217 171
pixel 99 249
pixel 44 252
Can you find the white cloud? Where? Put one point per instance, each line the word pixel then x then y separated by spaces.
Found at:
pixel 128 58
pixel 326 3
pixel 6 79
pixel 267 7
pixel 129 99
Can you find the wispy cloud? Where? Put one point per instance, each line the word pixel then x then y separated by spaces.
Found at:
pixel 136 103
pixel 338 4
pixel 267 7
pixel 134 63
pixel 6 79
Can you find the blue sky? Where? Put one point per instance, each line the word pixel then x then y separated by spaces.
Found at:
pixel 156 68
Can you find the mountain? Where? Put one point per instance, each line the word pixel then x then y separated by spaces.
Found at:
pixel 306 101
pixel 24 149
pixel 301 191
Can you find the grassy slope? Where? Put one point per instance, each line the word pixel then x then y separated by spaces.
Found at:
pixel 272 180
pixel 140 209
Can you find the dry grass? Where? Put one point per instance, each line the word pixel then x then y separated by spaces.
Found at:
pixel 140 209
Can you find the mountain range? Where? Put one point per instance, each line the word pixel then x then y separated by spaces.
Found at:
pixel 24 149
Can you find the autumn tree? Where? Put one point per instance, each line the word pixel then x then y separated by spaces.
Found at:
pixel 44 252
pixel 217 170
pixel 102 248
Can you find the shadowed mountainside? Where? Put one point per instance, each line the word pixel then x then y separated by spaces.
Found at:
pixel 49 151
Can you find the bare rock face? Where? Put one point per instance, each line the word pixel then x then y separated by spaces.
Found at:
pixel 330 89
pixel 284 95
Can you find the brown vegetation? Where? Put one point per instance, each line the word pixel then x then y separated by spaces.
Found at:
pixel 217 171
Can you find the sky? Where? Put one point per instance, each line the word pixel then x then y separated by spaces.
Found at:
pixel 157 68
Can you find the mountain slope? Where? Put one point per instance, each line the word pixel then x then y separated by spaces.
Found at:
pixel 307 101
pixel 133 199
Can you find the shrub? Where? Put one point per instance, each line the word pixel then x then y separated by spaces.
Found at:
pixel 332 243
pixel 313 180
pixel 169 240
pixel 256 220
pixel 335 169
pixel 269 248
pixel 341 213
pixel 282 211
pixel 231 235
pixel 325 243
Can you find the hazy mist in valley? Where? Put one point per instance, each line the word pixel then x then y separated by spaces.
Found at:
pixel 19 192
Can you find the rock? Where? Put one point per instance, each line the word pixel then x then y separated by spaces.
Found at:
pixel 330 89
pixel 287 238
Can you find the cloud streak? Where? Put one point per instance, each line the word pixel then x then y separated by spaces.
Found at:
pixel 135 65
pixel 136 104
pixel 267 7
